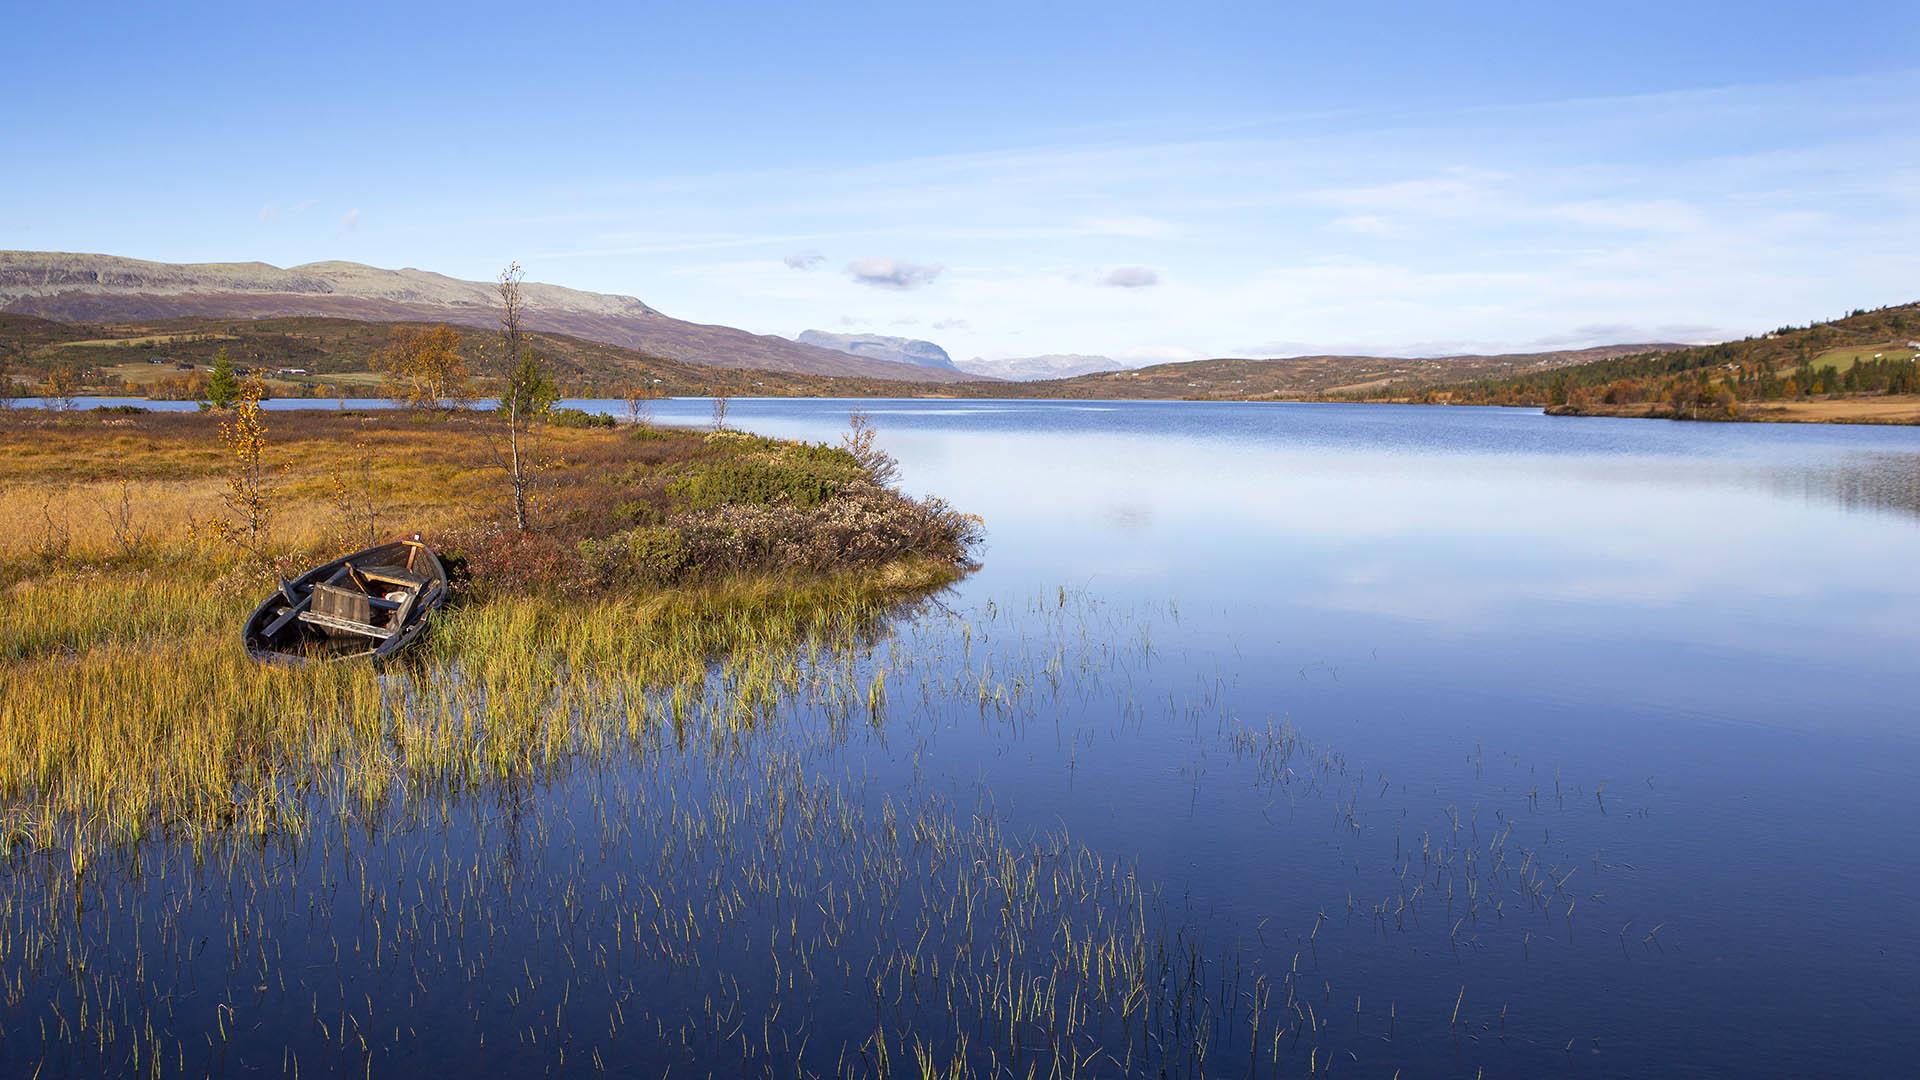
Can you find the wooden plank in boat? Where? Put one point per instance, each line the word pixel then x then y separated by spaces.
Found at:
pixel 346 626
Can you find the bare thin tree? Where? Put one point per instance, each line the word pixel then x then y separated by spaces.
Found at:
pixel 720 403
pixel 525 393
pixel 640 404
pixel 862 441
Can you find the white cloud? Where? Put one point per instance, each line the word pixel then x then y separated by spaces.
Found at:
pixel 1563 224
pixel 350 220
pixel 892 273
pixel 804 260
pixel 1365 225
pixel 1130 277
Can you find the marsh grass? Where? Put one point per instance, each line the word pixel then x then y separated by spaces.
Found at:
pixel 548 845
pixel 127 708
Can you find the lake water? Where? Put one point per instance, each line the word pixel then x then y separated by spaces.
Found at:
pixel 1715 626
pixel 1492 741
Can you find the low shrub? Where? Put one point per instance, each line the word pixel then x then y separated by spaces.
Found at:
pixel 632 513
pixel 579 418
pixel 649 555
pixel 800 476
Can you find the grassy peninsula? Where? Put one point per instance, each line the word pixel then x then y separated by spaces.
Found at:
pixel 651 554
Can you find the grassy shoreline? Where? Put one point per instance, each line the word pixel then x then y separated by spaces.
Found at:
pixel 1889 410
pixel 129 709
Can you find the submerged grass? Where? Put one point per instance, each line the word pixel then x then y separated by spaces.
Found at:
pixel 128 709
pixel 132 709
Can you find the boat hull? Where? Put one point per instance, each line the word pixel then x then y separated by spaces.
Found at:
pixel 286 630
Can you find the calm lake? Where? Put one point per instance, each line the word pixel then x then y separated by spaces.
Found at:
pixel 1449 739
pixel 1704 637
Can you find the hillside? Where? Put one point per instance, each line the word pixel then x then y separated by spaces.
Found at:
pixel 1296 377
pixel 108 289
pixel 1866 353
pixel 336 356
pixel 147 357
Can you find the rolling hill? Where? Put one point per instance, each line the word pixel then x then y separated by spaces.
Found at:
pixel 1866 352
pixel 1298 377
pixel 336 358
pixel 109 289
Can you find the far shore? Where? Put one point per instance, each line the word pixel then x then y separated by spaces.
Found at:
pixel 1883 409
pixel 1879 409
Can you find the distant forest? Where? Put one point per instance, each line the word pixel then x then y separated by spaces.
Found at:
pixel 1865 353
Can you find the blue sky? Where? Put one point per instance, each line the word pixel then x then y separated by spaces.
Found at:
pixel 1144 181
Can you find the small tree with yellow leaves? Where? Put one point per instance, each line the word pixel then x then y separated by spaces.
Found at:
pixel 423 367
pixel 249 497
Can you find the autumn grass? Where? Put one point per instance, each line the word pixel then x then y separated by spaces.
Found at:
pixel 63 480
pixel 129 709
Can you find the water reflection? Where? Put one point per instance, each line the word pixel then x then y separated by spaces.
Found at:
pixel 1596 734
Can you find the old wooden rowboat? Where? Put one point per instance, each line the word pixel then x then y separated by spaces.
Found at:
pixel 371 603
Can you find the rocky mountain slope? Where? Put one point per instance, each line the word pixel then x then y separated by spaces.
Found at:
pixel 110 289
pixel 1027 368
pixel 880 347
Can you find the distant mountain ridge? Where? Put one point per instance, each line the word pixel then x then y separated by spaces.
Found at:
pixel 900 350
pixel 1305 377
pixel 1030 368
pixel 105 288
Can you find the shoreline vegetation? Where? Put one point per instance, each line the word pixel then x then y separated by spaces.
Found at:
pixel 140 542
pixel 1898 410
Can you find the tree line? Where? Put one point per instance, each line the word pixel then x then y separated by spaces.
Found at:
pixel 1784 364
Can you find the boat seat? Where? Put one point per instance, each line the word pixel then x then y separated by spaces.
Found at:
pixel 393 575
pixel 344 611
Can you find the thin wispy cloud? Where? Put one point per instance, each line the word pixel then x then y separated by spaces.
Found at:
pixel 1476 229
pixel 1130 277
pixel 892 273
pixel 350 220
pixel 1365 225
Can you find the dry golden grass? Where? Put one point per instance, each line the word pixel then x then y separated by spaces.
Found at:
pixel 64 481
pixel 127 705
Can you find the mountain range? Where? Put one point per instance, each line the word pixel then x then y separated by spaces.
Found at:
pixel 1036 368
pixel 927 354
pixel 110 313
pixel 897 350
pixel 110 289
